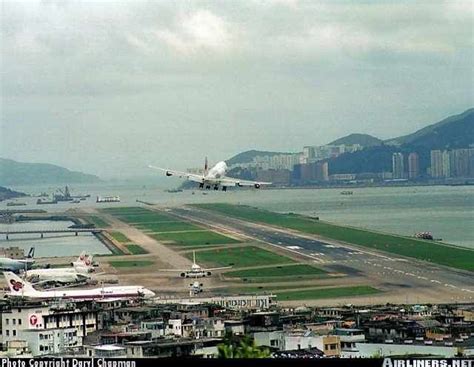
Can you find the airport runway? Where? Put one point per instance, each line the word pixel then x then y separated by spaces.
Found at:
pixel 410 280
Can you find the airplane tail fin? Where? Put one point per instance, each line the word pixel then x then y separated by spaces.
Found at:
pixel 31 253
pixel 194 257
pixel 81 257
pixel 206 167
pixel 17 285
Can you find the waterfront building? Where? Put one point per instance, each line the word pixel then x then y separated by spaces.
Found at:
pixel 48 329
pixel 436 168
pixel 460 159
pixel 413 166
pixel 398 170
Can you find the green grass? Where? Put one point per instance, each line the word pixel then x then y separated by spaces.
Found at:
pixel 119 237
pixel 240 257
pixel 124 209
pixel 195 239
pixel 136 250
pixel 277 272
pixel 266 288
pixel 424 250
pixel 130 263
pixel 168 227
pixel 97 222
pixel 321 293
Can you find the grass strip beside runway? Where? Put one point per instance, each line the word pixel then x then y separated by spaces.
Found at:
pixel 434 252
pixel 195 239
pixel 240 257
pixel 130 263
pixel 120 237
pixel 136 250
pixel 277 271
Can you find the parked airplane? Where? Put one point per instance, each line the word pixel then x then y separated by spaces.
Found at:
pixel 84 263
pixel 214 177
pixel 7 264
pixel 58 275
pixel 21 288
pixel 196 270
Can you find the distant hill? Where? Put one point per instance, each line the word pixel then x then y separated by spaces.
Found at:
pixel 246 157
pixel 453 132
pixel 363 139
pixel 6 194
pixel 18 173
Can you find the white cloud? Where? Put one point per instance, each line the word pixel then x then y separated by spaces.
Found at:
pixel 199 30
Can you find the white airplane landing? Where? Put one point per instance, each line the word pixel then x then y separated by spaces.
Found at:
pixel 213 178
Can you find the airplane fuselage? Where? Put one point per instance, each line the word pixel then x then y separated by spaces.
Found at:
pixel 218 171
pixel 62 275
pixel 7 264
pixel 92 294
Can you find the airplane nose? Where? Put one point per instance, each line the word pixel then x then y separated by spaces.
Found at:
pixel 150 294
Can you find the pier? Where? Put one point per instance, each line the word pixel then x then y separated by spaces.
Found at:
pixel 7 234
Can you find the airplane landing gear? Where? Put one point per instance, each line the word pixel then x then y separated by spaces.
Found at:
pixel 201 185
pixel 224 188
pixel 208 187
pixel 216 187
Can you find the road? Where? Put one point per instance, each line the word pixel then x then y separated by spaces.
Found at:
pixel 403 280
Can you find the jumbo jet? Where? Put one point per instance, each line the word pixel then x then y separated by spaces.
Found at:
pixel 196 270
pixel 73 274
pixel 21 288
pixel 57 275
pixel 7 264
pixel 77 273
pixel 213 178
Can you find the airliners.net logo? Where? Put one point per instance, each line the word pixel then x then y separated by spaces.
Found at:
pixel 389 362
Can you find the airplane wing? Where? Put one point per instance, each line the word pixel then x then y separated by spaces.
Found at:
pixel 186 175
pixel 229 181
pixel 173 270
pixel 221 268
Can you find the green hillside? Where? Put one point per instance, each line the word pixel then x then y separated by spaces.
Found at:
pixel 19 173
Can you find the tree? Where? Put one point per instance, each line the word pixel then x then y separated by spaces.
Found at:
pixel 243 348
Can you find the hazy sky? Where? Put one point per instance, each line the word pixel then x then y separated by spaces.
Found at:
pixel 107 87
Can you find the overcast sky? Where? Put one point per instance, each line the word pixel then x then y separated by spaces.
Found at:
pixel 107 87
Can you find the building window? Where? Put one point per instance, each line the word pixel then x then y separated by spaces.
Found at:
pixel 14 321
pixel 7 321
pixel 19 321
pixel 14 332
pixel 8 333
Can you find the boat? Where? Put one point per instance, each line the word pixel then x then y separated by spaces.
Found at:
pixel 424 235
pixel 347 192
pixel 108 199
pixel 172 191
pixel 41 202
pixel 15 203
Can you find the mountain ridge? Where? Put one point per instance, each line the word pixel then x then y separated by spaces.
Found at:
pixel 21 173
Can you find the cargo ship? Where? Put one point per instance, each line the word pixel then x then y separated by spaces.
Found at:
pixel 43 201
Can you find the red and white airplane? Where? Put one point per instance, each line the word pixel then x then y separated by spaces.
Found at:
pixel 214 177
pixel 21 288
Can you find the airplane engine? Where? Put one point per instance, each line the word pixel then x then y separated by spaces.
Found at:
pixel 208 273
pixel 183 275
pixel 257 186
pixel 168 173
